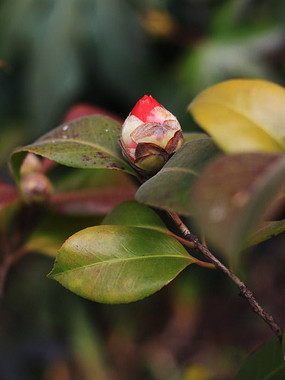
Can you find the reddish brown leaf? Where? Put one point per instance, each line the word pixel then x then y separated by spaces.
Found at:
pixel 92 201
pixel 8 194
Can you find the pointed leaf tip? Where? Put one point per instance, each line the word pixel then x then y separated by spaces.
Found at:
pixel 118 264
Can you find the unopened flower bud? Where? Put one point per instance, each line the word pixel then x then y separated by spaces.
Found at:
pixel 31 164
pixel 150 135
pixel 35 187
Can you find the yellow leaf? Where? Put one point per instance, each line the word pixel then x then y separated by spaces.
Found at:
pixel 243 115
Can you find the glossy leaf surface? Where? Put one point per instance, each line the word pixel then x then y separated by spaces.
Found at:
pixel 267 363
pixel 171 187
pixel 118 264
pixel 132 213
pixel 243 115
pixel 232 195
pixel 88 142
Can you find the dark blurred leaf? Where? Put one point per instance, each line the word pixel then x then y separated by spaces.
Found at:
pixel 264 232
pixel 65 179
pixel 228 17
pixel 8 195
pixel 119 38
pixel 118 264
pixel 12 16
pixel 91 202
pixel 89 142
pixel 54 229
pixel 236 56
pixel 190 136
pixel 54 72
pixel 89 192
pixel 267 363
pixel 10 137
pixel 232 195
pixel 9 204
pixel 82 109
pixel 132 213
pixel 86 346
pixel 171 187
pixel 243 115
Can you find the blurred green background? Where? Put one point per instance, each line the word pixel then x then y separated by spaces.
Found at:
pixel 109 53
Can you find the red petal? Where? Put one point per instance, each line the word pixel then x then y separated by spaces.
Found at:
pixel 144 107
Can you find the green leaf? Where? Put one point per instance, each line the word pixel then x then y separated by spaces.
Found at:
pixel 267 363
pixel 243 115
pixel 118 264
pixel 190 136
pixel 264 232
pixel 232 195
pixel 89 142
pixel 132 213
pixel 170 188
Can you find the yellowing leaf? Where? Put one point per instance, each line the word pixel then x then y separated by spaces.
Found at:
pixel 118 264
pixel 243 115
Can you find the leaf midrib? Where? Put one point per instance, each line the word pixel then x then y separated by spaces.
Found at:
pixel 122 260
pixel 245 116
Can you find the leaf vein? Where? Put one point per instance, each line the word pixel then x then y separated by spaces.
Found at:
pixel 124 260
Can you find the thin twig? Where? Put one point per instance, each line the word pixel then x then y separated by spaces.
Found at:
pixel 190 244
pixel 4 243
pixel 24 223
pixel 244 291
pixel 204 264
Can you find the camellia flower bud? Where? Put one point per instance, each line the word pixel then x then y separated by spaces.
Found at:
pixel 31 164
pixel 150 135
pixel 35 187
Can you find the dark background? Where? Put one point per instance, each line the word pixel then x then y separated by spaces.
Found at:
pixel 109 53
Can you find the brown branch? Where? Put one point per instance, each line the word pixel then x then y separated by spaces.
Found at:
pixel 13 249
pixel 190 244
pixel 244 291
